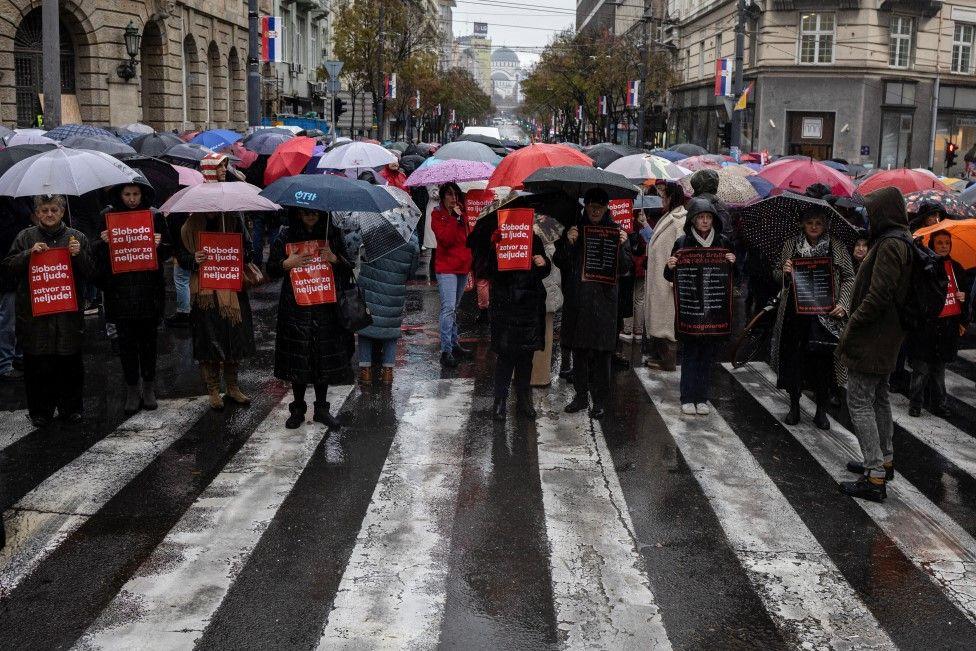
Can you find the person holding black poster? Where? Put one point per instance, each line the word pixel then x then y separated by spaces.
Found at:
pixel 817 278
pixel 591 256
pixel 703 230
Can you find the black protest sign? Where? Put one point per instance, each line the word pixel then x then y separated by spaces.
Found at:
pixel 703 292
pixel 601 250
pixel 813 285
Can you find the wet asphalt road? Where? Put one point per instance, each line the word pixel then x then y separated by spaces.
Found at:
pixel 424 524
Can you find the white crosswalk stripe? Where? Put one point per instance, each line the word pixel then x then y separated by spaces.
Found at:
pixel 392 593
pixel 960 388
pixel 602 596
pixel 931 540
pixel 803 591
pixel 59 505
pixel 14 425
pixel 181 585
pixel 939 434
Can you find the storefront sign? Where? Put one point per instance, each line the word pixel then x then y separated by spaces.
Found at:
pixel 812 128
pixel 813 285
pixel 601 250
pixel 224 268
pixel 514 245
pixel 703 292
pixel 312 283
pixel 52 282
pixel 474 202
pixel 622 211
pixel 131 241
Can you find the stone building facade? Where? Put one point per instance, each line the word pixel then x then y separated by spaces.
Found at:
pixel 190 72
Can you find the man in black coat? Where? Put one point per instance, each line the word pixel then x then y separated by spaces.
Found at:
pixel 14 217
pixel 589 320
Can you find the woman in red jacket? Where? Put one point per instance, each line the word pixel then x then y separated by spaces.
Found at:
pixel 452 263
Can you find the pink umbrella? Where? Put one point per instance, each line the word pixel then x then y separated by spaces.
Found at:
pixel 218 197
pixel 907 181
pixel 246 156
pixel 796 175
pixel 188 176
pixel 454 170
pixel 704 162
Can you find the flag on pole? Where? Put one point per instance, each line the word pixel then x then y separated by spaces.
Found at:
pixel 579 112
pixel 439 111
pixel 272 45
pixel 416 102
pixel 633 93
pixel 604 105
pixel 723 77
pixel 453 116
pixel 390 82
pixel 744 97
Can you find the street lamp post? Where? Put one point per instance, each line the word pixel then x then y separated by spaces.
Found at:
pixel 253 72
pixel 740 46
pixel 51 46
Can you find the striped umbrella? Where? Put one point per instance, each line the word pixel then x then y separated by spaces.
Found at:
pixel 641 167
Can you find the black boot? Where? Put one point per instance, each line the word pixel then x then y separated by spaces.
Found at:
pixel 858 469
pixel 820 417
pixel 865 488
pixel 322 415
pixel 793 417
pixel 448 360
pixel 296 415
pixel 482 317
pixel 524 406
pixel 499 410
pixel 579 403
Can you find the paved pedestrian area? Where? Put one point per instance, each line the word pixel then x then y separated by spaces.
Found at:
pixel 424 524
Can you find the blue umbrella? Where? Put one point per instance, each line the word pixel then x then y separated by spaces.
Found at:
pixel 65 131
pixel 216 138
pixel 266 143
pixel 672 156
pixel 329 193
pixel 762 186
pixel 840 167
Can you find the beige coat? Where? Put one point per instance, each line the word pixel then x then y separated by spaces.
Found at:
pixel 658 294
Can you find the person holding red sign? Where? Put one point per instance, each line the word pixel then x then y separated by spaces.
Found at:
pixel 220 319
pixel 311 345
pixel 53 370
pixel 452 263
pixel 134 299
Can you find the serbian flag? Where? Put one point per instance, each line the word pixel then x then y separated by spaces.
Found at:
pixel 604 105
pixel 390 86
pixel 453 116
pixel 744 98
pixel 723 77
pixel 416 101
pixel 439 112
pixel 633 93
pixel 272 44
pixel 579 112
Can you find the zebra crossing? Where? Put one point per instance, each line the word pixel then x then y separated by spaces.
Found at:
pixel 605 593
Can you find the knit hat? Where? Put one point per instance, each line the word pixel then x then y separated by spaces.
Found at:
pixel 209 165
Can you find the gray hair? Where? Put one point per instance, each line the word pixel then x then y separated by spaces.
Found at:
pixel 44 199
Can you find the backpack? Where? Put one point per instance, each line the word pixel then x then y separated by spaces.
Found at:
pixel 927 286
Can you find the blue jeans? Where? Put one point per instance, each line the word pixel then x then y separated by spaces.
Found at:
pixel 8 338
pixel 451 289
pixel 181 281
pixel 259 233
pixel 697 356
pixel 366 346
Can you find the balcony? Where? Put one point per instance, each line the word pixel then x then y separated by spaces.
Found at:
pixel 802 5
pixel 926 8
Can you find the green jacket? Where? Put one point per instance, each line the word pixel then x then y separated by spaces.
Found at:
pixel 874 335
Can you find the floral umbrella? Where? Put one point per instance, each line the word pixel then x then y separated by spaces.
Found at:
pixel 640 167
pixel 951 203
pixel 733 189
pixel 704 162
pixel 450 170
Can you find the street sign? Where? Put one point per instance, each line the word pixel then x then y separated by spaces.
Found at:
pixel 333 68
pixel 333 86
pixel 865 150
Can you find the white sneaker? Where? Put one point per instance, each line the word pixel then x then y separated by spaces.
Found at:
pixel 702 409
pixel 688 409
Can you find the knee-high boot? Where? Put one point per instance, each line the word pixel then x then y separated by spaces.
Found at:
pixel 210 372
pixel 234 392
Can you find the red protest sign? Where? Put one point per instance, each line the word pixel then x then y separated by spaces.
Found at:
pixel 514 245
pixel 52 282
pixel 622 211
pixel 224 268
pixel 474 202
pixel 313 283
pixel 131 241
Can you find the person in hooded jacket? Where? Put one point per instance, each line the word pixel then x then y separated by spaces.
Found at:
pixel 311 345
pixel 703 228
pixel 134 301
pixel 658 293
pixel 871 341
pixel 589 321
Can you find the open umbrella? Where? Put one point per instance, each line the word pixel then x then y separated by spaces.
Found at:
pixel 154 144
pixel 410 162
pixel 266 130
pixel 767 224
pixel 797 174
pixel 450 170
pixel 963 233
pixel 65 131
pixel 187 152
pixel 5 131
pixel 738 169
pixel 689 149
pixel 17 153
pixel 950 203
pixel 189 176
pixel 518 165
pixel 110 146
pixel 139 127
pixel 289 159
pixel 216 138
pixel 641 167
pixel 606 153
pixel 906 180
pixel 265 142
pixel 468 150
pixel 328 192
pixel 575 180
pixel 219 197
pixel 383 232
pixel 65 171
pixel 356 155
pixel 493 144
pixel 245 157
pixel 164 179
pixel 399 146
pixel 673 156
pixel 418 149
pixel 29 139
pixel 704 162
pixel 734 189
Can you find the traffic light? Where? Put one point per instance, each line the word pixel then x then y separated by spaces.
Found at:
pixel 338 107
pixel 727 135
pixel 950 154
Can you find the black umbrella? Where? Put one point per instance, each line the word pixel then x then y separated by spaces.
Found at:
pixel 410 162
pixel 327 192
pixel 493 144
pixel 163 178
pixel 266 143
pixel 154 144
pixel 605 153
pixel 768 224
pixel 575 180
pixel 269 130
pixel 419 149
pixel 556 206
pixel 689 149
pixel 187 151
pixel 17 153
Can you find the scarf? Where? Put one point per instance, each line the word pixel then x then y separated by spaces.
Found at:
pixel 820 250
pixel 706 241
pixel 226 300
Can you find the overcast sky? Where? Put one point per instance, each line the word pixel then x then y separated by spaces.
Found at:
pixel 516 23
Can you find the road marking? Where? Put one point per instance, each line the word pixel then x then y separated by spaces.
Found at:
pixel 170 600
pixel 939 434
pixel 930 539
pixel 968 354
pixel 803 591
pixel 960 388
pixel 59 505
pixel 14 425
pixel 602 595
pixel 392 593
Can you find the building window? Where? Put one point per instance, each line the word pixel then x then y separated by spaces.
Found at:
pixel 701 60
pixel 962 48
pixel 688 63
pixel 899 94
pixel 718 46
pixel 817 38
pixel 896 140
pixel 900 47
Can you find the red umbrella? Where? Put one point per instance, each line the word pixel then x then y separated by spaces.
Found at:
pixel 796 175
pixel 518 165
pixel 906 180
pixel 289 159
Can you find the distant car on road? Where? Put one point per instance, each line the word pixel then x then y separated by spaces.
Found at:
pixel 482 131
